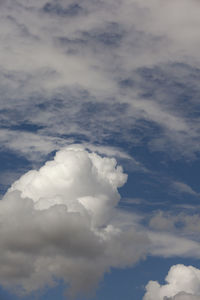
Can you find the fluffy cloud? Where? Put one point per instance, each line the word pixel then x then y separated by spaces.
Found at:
pixel 58 223
pixel 183 283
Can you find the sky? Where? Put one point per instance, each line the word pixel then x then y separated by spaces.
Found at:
pixel 99 150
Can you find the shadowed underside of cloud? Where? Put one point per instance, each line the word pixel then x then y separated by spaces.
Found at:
pixel 183 296
pixel 57 223
pixel 183 283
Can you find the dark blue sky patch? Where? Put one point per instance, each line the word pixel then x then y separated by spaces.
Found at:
pixel 126 83
pixel 150 188
pixel 156 186
pixel 17 117
pixel 77 138
pixel 50 104
pixel 54 8
pixel 110 35
pixel 28 127
pixel 10 163
pixel 173 84
pixel 98 115
pixel 133 280
pixel 55 105
pixel 146 130
pixel 9 159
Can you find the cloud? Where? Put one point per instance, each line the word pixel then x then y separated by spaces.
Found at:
pixel 179 223
pixel 121 72
pixel 171 244
pixel 60 223
pixel 100 70
pixel 183 283
pixel 31 145
pixel 162 222
pixel 57 9
pixel 184 188
pixel 183 296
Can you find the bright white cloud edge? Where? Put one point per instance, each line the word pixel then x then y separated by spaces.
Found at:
pixel 57 223
pixel 182 283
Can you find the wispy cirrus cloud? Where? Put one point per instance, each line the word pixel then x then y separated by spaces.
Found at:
pixel 77 67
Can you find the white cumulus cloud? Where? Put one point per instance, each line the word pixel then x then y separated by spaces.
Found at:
pixel 183 283
pixel 57 223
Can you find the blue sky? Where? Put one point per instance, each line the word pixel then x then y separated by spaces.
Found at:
pixel 99 84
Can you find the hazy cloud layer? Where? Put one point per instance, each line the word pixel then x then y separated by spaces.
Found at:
pixel 183 283
pixel 97 69
pixel 182 223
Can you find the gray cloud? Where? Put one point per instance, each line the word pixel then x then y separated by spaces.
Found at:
pixel 61 222
pixel 57 9
pixel 182 296
pixel 180 223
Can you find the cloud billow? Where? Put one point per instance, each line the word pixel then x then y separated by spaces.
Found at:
pixel 183 283
pixel 56 223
